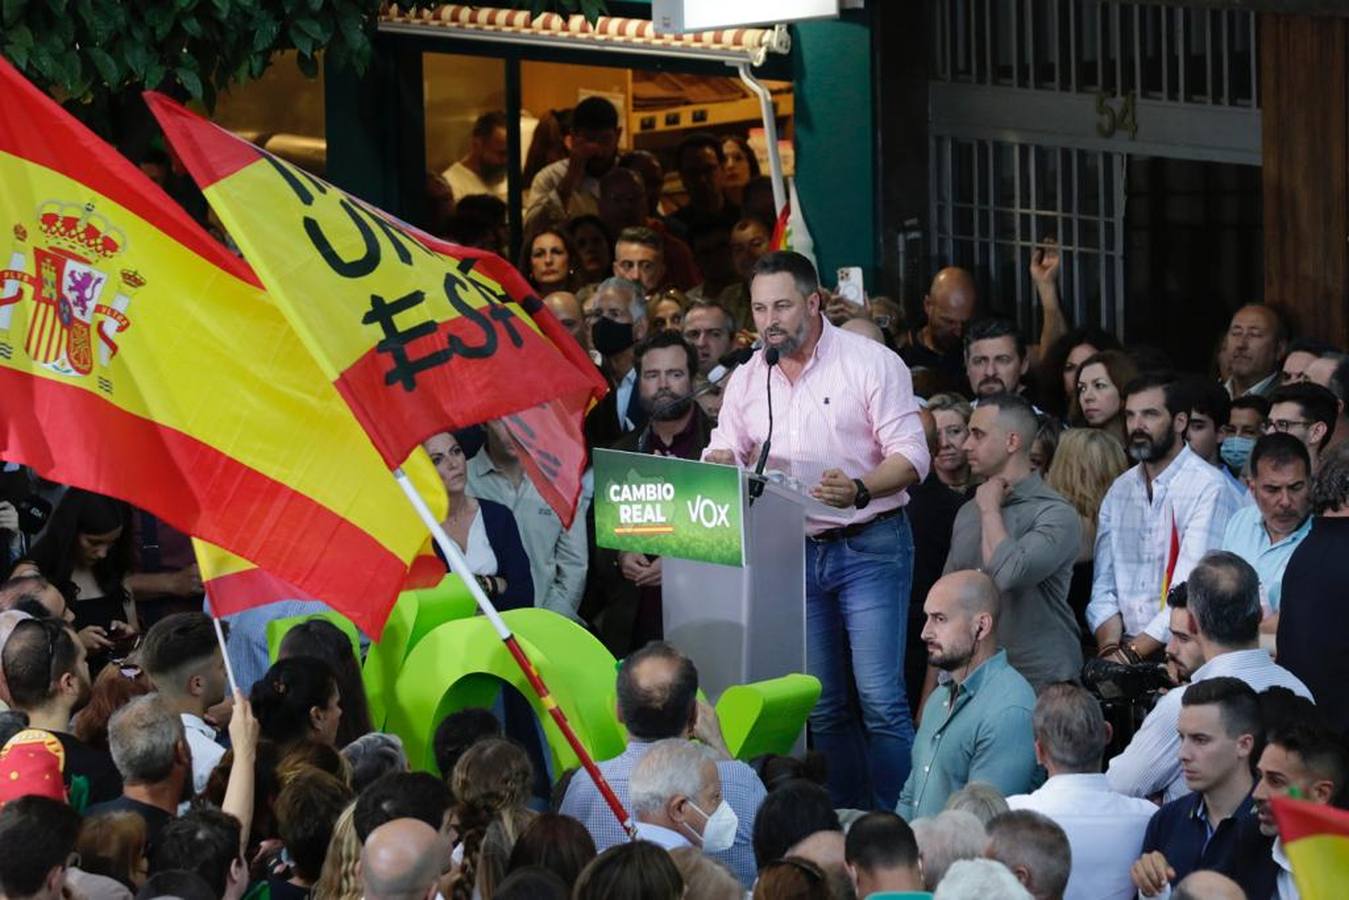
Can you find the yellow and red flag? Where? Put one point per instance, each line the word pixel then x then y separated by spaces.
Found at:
pixel 1172 557
pixel 233 583
pixel 1316 839
pixel 140 359
pixel 418 335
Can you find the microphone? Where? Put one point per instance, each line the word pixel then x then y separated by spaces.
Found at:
pixel 729 361
pixel 756 483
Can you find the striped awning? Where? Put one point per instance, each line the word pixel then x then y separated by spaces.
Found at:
pixel 458 20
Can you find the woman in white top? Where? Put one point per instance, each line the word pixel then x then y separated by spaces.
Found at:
pixel 485 531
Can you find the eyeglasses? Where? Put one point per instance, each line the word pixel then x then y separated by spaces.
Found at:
pixel 1283 426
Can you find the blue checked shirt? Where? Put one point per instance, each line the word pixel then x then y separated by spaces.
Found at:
pixel 1133 539
pixel 740 787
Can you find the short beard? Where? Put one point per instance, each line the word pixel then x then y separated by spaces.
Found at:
pixel 676 409
pixel 1152 450
pixel 792 342
pixel 951 661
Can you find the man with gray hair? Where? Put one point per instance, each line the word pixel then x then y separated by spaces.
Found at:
pixel 1034 848
pixel 1223 609
pixel 620 323
pixel 149 748
pixel 947 838
pixel 402 860
pixel 1025 537
pixel 675 792
pixel 1105 829
pixel 980 879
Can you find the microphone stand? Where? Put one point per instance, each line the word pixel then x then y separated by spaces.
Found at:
pixel 756 481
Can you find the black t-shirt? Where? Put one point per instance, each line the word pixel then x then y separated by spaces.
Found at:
pixel 155 818
pixel 281 889
pixel 93 765
pixel 932 512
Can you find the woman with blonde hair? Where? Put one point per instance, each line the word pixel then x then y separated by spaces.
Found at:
pixel 341 875
pixel 491 784
pixel 1087 462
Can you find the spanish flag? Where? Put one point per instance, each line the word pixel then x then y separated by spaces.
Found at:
pixel 1316 839
pixel 233 583
pixel 140 359
pixel 418 336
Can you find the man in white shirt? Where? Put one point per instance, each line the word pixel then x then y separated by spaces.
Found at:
pixel 181 655
pixel 1167 511
pixel 1105 829
pixel 1302 758
pixel 1222 603
pixel 676 798
pixel 483 169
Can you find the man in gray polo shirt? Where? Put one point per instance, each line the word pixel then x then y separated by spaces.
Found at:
pixel 1025 537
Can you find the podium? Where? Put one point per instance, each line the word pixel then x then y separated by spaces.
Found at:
pixel 733 574
pixel 745 624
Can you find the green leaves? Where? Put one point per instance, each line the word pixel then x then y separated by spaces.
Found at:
pixel 90 51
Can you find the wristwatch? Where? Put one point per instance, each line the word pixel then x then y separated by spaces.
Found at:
pixel 863 495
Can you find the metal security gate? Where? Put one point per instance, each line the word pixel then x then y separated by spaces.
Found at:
pixel 1036 108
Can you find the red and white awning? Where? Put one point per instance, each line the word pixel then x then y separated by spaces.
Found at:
pixel 731 45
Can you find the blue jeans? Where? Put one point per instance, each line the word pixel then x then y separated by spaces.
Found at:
pixel 857 598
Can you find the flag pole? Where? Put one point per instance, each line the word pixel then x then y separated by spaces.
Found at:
pixel 225 655
pixel 459 566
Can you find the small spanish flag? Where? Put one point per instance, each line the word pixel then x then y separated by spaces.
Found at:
pixel 1172 554
pixel 1316 839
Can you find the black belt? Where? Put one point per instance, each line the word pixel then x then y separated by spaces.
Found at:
pixel 847 531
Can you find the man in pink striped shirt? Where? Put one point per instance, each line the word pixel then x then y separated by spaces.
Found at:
pixel 845 423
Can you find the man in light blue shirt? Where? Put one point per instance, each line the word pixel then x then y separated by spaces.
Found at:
pixel 1266 534
pixel 976 725
pixel 657 699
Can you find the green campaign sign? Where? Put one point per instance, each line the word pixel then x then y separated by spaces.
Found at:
pixel 668 506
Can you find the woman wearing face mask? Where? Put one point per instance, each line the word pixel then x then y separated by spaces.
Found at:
pixel 1101 380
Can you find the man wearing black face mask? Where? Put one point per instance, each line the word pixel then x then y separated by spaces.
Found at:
pixel 628 584
pixel 621 323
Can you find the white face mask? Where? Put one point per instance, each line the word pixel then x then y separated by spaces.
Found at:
pixel 719 830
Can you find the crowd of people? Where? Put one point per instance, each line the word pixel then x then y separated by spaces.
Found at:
pixel 1014 521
